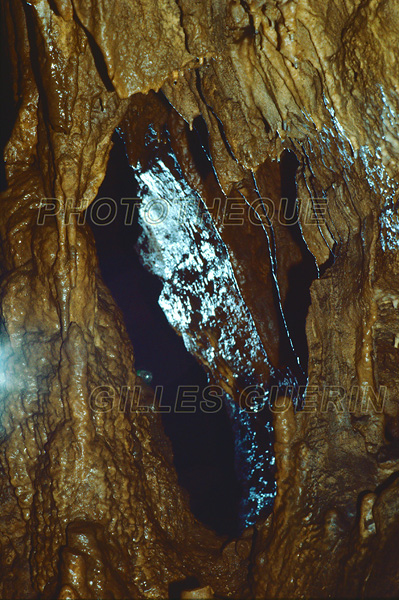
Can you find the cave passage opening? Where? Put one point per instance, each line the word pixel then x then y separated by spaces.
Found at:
pixel 203 444
pixel 294 346
pixel 253 431
pixel 293 350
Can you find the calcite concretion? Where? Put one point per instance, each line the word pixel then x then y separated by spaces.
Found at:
pixel 90 503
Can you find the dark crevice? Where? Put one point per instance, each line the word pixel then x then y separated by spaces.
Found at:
pixel 98 57
pixel 203 443
pixel 35 60
pixel 250 17
pixel 387 483
pixel 291 372
pixel 329 262
pixel 182 27
pixel 54 8
pixel 266 124
pixel 198 144
pixel 218 121
pixel 300 276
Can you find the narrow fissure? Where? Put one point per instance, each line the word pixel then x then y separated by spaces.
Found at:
pixel 203 444
pixel 300 276
pixel 253 432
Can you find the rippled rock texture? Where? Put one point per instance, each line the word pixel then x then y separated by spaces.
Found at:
pixel 90 504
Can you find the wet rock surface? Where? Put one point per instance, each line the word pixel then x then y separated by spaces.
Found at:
pixel 208 99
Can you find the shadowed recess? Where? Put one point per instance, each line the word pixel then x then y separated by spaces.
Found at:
pixel 300 276
pixel 202 443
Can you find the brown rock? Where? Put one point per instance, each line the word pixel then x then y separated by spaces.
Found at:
pixel 90 503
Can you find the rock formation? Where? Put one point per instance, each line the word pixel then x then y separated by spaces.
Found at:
pixel 90 503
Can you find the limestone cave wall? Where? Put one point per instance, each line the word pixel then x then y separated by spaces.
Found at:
pixel 211 100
